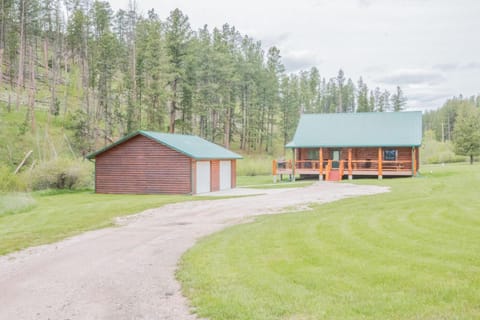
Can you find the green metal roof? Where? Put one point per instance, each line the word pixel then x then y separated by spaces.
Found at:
pixel 363 129
pixel 192 146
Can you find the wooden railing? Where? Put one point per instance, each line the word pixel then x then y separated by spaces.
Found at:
pixel 281 165
pixel 307 164
pixel 372 165
pixel 368 165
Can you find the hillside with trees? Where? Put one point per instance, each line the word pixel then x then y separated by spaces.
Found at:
pixel 110 73
pixel 76 75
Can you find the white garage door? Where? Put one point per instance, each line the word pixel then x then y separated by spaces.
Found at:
pixel 225 175
pixel 203 176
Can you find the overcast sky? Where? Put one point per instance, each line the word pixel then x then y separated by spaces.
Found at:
pixel 431 48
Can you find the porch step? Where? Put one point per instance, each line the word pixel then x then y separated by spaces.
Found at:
pixel 334 175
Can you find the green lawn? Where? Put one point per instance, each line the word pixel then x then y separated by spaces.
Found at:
pixel 413 253
pixel 32 219
pixel 28 219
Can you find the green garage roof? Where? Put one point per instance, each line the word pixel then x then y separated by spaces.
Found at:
pixel 192 146
pixel 365 129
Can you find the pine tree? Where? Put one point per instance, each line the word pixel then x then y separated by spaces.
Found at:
pixel 147 95
pixel 349 96
pixel 385 97
pixel 362 97
pixel 178 35
pixel 466 135
pixel 398 100
pixel 289 99
pixel 340 83
pixel 275 70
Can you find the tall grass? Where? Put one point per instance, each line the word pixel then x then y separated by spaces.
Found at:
pixel 12 203
pixel 255 165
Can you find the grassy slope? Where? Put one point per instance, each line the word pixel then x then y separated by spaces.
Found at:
pixel 51 217
pixel 47 141
pixel 413 253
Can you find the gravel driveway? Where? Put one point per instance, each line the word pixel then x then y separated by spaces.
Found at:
pixel 127 272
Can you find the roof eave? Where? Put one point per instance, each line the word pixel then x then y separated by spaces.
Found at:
pixel 234 156
pixel 110 146
pixel 289 146
pixel 147 135
pixel 218 158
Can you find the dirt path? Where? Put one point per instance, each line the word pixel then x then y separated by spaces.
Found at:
pixel 128 272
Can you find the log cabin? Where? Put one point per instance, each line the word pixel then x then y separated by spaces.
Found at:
pixel 147 162
pixel 346 145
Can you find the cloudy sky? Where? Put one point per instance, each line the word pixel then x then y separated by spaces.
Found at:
pixel 431 48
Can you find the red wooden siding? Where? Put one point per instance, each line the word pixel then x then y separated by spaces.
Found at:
pixel 143 166
pixel 417 157
pixel 215 175
pixel 194 176
pixel 404 154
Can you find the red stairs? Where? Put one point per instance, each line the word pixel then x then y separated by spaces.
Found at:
pixel 334 175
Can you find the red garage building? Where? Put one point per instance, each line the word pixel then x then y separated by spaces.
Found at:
pixel 148 162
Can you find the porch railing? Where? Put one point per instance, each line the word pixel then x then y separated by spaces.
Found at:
pixel 281 166
pixel 345 166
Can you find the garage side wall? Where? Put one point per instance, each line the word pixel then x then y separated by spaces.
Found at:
pixel 142 166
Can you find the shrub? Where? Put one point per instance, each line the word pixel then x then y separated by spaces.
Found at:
pixel 10 181
pixel 434 151
pixel 62 174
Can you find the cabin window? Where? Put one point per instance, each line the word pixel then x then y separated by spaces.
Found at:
pixel 390 155
pixel 312 154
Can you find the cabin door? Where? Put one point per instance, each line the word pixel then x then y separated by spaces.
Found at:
pixel 335 159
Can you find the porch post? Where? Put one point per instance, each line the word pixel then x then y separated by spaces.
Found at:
pixel 380 169
pixel 350 175
pixel 274 170
pixel 414 162
pixel 320 169
pixel 294 165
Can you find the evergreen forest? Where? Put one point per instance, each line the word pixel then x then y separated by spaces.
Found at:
pixel 76 75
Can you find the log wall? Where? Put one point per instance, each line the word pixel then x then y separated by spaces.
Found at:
pixel 404 155
pixel 143 166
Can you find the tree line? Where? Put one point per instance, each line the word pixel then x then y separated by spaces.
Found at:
pixel 457 121
pixel 111 73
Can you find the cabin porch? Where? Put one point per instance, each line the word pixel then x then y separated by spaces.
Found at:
pixel 339 163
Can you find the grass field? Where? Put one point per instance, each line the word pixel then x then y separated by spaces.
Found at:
pixel 33 219
pixel 413 253
pixel 28 219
